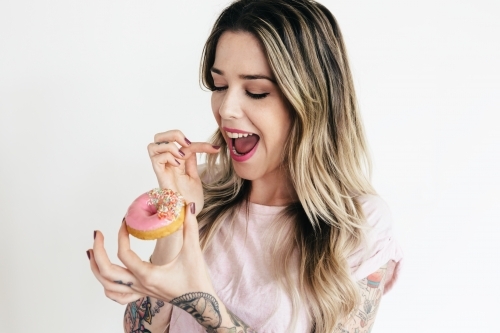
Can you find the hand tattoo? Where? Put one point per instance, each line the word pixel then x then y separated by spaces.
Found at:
pixel 123 283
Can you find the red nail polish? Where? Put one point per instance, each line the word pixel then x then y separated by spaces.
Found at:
pixel 181 153
pixel 187 141
pixel 88 254
pixel 179 163
pixel 192 207
pixel 94 233
pixel 216 147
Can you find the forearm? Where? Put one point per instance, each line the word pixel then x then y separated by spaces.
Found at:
pixel 211 313
pixel 147 315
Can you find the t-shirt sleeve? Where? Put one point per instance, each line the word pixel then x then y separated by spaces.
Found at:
pixel 381 245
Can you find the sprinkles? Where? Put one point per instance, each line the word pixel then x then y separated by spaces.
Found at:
pixel 167 202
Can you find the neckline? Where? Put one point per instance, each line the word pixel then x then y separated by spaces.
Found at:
pixel 258 209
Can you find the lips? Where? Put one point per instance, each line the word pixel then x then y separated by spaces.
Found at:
pixel 242 145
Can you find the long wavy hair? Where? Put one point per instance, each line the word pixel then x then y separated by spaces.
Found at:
pixel 326 156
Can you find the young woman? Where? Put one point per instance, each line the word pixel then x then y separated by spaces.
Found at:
pixel 283 230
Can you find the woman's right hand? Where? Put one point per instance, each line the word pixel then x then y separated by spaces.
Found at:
pixel 176 169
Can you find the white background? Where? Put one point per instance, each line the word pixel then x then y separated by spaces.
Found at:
pixel 84 86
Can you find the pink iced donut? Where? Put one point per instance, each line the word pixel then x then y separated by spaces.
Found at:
pixel 144 222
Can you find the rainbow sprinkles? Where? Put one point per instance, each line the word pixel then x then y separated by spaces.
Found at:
pixel 167 202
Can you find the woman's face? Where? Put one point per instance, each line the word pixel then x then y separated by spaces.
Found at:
pixel 250 109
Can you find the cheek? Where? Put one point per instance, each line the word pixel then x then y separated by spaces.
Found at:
pixel 215 107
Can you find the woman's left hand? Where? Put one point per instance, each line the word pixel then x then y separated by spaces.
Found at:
pixel 186 273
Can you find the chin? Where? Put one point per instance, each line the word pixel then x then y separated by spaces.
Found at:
pixel 246 172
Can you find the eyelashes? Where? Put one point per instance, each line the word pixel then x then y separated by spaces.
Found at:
pixel 249 94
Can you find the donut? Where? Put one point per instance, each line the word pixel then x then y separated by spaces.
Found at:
pixel 155 214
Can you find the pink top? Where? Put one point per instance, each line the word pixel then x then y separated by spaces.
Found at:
pixel 242 276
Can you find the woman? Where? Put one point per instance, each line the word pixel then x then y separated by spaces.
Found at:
pixel 285 232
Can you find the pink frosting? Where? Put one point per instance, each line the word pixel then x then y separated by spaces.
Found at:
pixel 141 216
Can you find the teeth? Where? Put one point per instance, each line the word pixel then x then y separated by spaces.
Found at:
pixel 238 135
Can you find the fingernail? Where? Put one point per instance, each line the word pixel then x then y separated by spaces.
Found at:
pixel 181 153
pixel 94 233
pixel 187 141
pixel 177 161
pixel 192 207
pixel 88 254
pixel 216 147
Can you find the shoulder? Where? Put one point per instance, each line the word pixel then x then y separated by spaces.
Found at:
pixel 376 211
pixel 380 245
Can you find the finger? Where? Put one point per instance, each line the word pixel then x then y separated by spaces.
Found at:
pixel 191 165
pixel 122 298
pixel 201 147
pixel 116 285
pixel 106 269
pixel 129 258
pixel 190 228
pixel 171 136
pixel 99 252
pixel 162 160
pixel 155 149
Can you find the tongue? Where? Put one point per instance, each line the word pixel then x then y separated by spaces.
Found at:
pixel 244 145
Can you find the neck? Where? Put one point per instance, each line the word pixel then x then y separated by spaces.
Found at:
pixel 275 189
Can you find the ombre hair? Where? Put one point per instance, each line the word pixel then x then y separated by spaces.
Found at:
pixel 326 156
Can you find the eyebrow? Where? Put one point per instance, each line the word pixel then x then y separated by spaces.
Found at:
pixel 245 76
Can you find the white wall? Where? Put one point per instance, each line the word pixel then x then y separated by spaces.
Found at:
pixel 84 85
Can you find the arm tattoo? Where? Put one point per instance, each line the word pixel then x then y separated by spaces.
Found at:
pixel 363 316
pixel 205 309
pixel 139 312
pixel 238 322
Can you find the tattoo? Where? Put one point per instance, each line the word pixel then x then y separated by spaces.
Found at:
pixel 205 309
pixel 138 313
pixel 362 318
pixel 238 322
pixel 129 284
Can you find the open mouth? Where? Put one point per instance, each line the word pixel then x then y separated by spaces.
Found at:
pixel 242 143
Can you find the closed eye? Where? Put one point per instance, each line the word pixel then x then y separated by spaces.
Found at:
pixel 219 88
pixel 256 96
pixel 249 94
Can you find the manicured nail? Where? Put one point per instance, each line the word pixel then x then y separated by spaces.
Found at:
pixel 88 254
pixel 94 233
pixel 192 207
pixel 181 153
pixel 177 161
pixel 216 147
pixel 187 141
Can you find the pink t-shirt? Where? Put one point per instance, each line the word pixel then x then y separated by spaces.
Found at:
pixel 243 279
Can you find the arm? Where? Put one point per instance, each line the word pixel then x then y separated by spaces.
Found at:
pixel 361 320
pixel 147 315
pixel 211 313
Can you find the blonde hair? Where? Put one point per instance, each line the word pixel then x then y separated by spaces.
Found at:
pixel 326 156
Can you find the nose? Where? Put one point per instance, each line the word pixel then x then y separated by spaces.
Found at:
pixel 230 105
